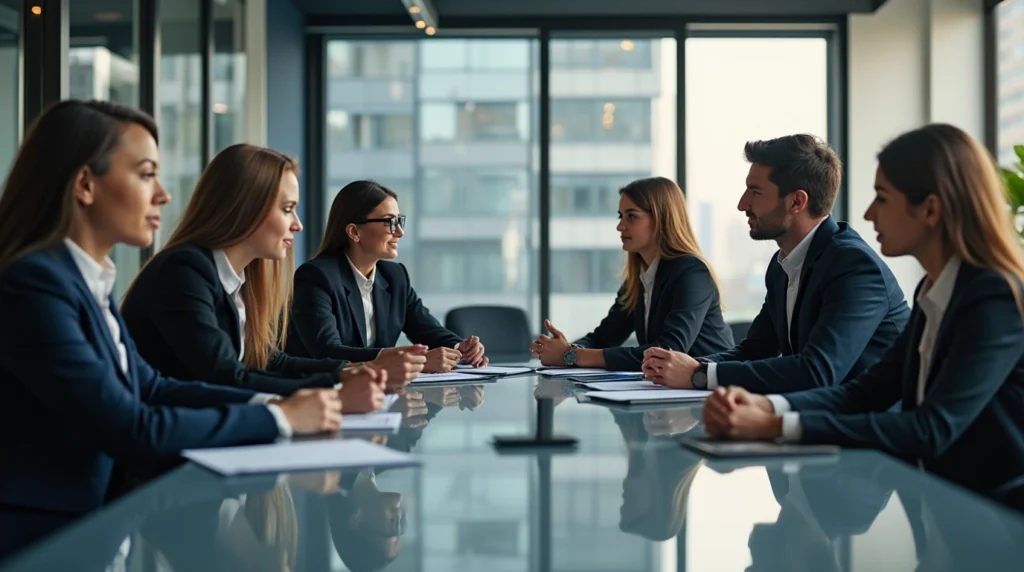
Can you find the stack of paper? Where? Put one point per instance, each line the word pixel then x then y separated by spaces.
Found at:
pixel 624 385
pixel 573 371
pixel 500 370
pixel 650 396
pixel 450 376
pixel 298 456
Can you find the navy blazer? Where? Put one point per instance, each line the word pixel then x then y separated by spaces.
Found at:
pixel 68 409
pixel 969 428
pixel 849 310
pixel 327 318
pixel 186 325
pixel 686 316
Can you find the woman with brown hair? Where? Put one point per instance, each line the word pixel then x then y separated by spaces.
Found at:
pixel 669 295
pixel 957 370
pixel 211 304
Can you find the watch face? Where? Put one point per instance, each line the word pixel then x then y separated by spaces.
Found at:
pixel 699 380
pixel 569 357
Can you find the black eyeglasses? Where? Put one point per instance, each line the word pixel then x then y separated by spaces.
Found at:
pixel 395 222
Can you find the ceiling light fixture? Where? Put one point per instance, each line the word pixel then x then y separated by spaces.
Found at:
pixel 422 12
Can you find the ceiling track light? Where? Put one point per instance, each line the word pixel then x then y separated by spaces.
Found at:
pixel 423 15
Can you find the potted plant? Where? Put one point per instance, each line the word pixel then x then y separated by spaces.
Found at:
pixel 1014 178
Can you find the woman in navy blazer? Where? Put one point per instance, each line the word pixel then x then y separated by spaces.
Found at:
pixel 669 295
pixel 352 303
pixel 210 305
pixel 957 371
pixel 76 395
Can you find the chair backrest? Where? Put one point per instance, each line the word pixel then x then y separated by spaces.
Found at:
pixel 504 330
pixel 739 331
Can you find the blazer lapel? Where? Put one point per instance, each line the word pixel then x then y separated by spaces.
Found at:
pixel 131 356
pixel 353 296
pixel 381 305
pixel 912 363
pixel 822 238
pixel 235 334
pixel 938 351
pixel 778 302
pixel 638 321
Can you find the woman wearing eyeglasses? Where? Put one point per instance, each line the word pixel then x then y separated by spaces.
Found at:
pixel 351 302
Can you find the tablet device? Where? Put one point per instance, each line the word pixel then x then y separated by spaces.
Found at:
pixel 736 449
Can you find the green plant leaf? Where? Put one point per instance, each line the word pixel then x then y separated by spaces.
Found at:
pixel 1019 150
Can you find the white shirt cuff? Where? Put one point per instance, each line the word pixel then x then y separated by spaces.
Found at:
pixel 263 398
pixel 712 375
pixel 792 430
pixel 780 404
pixel 284 428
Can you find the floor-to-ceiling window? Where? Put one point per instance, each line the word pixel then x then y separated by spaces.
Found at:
pixel 228 73
pixel 10 93
pixel 1009 79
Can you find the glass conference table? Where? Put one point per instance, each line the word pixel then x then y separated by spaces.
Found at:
pixel 629 498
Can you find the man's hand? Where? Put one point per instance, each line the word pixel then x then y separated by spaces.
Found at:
pixel 442 360
pixel 471 396
pixel 403 364
pixel 735 413
pixel 473 352
pixel 363 390
pixel 312 411
pixel 669 368
pixel 550 350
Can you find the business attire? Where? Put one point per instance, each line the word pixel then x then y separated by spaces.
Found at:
pixel 186 313
pixel 679 310
pixel 77 395
pixel 832 309
pixel 958 374
pixel 337 312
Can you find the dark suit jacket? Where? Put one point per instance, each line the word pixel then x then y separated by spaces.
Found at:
pixel 685 316
pixel 187 326
pixel 969 428
pixel 327 317
pixel 68 409
pixel 849 309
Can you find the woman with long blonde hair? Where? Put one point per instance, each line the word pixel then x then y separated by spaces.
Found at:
pixel 958 369
pixel 669 295
pixel 212 303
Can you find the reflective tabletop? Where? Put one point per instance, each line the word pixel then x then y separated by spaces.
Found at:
pixel 629 497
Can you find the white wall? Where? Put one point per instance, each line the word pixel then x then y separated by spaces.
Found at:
pixel 912 62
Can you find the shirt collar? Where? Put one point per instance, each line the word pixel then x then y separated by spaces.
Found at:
pixel 365 283
pixel 100 278
pixel 794 261
pixel 229 279
pixel 647 276
pixel 935 299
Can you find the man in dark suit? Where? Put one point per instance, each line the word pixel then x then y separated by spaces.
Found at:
pixel 832 306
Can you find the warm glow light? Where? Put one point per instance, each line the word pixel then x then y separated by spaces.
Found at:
pixel 414 9
pixel 609 108
pixel 220 108
pixel 627 45
pixel 37 10
pixel 421 24
pixel 430 30
pixel 608 120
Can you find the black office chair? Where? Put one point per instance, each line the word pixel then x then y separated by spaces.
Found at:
pixel 504 330
pixel 739 331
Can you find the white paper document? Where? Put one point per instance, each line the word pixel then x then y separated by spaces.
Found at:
pixel 625 386
pixel 494 370
pixel 574 371
pixel 371 422
pixel 298 456
pixel 450 376
pixel 648 396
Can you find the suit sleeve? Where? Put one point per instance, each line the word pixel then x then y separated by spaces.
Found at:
pixel 283 363
pixel 760 343
pixel 314 322
pixel 987 343
pixel 182 309
pixel 614 329
pixel 691 292
pixel 420 326
pixel 49 353
pixel 854 303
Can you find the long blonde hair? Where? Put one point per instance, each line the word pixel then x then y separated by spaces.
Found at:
pixel 235 193
pixel 663 200
pixel 943 160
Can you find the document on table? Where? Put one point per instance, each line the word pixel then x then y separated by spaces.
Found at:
pixel 292 456
pixel 450 376
pixel 649 396
pixel 625 386
pixel 371 422
pixel 494 370
pixel 582 371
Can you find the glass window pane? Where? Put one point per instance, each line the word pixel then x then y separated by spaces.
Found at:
pixel 607 97
pixel 228 73
pixel 467 181
pixel 1010 79
pixel 721 117
pixel 10 95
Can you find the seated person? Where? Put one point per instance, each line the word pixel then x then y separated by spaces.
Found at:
pixel 208 305
pixel 958 371
pixel 669 296
pixel 351 302
pixel 832 307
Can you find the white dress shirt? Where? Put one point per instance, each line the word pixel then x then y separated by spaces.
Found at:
pixel 365 284
pixel 647 280
pixel 232 282
pixel 792 264
pixel 933 299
